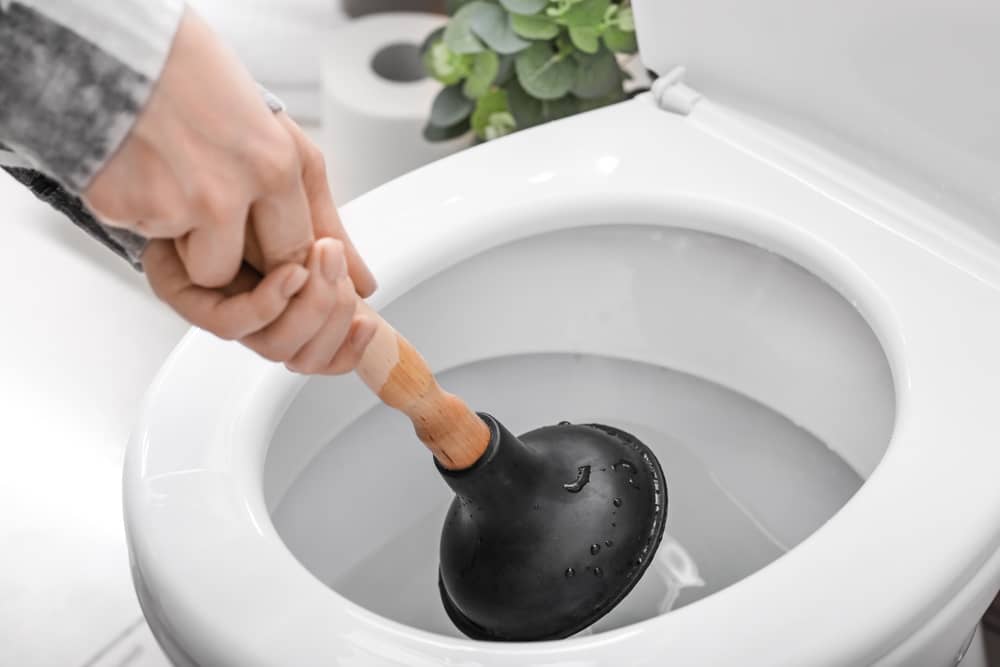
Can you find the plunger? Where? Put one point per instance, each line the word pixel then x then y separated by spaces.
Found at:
pixel 547 531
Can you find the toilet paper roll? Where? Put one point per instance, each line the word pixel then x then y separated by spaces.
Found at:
pixel 376 101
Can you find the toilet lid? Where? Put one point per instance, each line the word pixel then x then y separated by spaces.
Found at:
pixel 905 88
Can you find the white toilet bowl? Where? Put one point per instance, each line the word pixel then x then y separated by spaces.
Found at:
pixel 777 324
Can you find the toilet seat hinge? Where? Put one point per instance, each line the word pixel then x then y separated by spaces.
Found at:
pixel 672 94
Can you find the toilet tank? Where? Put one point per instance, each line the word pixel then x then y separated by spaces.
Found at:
pixel 909 89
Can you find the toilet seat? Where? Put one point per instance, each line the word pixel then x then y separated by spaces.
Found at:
pixel 201 537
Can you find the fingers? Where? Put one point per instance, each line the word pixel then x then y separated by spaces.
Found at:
pixel 325 220
pixel 311 309
pixel 317 353
pixel 304 317
pixel 229 316
pixel 213 251
pixel 281 218
pixel 349 355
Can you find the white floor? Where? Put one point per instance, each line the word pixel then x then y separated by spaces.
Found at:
pixel 80 339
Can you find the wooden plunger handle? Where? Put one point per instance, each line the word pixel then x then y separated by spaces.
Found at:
pixel 398 375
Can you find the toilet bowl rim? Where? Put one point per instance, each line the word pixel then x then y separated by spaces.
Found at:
pixel 281 387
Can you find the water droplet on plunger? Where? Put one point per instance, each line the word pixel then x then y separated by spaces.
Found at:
pixel 594 549
pixel 570 572
pixel 617 502
pixel 598 572
pixel 582 478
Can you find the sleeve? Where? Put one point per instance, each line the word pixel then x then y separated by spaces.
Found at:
pixel 74 75
pixel 124 243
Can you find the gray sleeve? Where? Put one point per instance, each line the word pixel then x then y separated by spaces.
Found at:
pixel 74 75
pixel 124 243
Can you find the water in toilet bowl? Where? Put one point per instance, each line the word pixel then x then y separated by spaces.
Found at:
pixel 745 485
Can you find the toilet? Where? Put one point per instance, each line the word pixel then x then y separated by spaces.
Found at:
pixel 779 267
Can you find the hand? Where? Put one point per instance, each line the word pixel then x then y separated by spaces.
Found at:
pixel 302 316
pixel 215 178
pixel 206 158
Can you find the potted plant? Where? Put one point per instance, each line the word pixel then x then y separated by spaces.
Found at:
pixel 510 64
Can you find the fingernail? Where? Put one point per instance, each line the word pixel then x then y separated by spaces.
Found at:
pixel 334 264
pixel 297 277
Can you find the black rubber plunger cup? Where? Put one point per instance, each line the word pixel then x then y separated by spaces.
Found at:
pixel 549 531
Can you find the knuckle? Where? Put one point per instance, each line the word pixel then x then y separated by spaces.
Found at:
pixel 208 203
pixel 159 292
pixel 227 330
pixel 267 347
pixel 211 274
pixel 276 163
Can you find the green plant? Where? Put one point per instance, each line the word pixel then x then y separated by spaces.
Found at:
pixel 510 64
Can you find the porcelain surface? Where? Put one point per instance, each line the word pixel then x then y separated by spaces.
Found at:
pixel 903 87
pixel 908 557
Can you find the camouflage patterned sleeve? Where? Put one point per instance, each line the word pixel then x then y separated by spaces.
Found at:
pixel 74 75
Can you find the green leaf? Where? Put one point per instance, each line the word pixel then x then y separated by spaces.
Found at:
pixel 458 34
pixel 534 27
pixel 449 107
pixel 560 108
pixel 493 25
pixel 626 19
pixel 544 73
pixel 444 65
pixel 434 133
pixel 505 70
pixel 500 123
pixel 619 40
pixel 452 6
pixel 485 66
pixel 430 40
pixel 523 6
pixel 527 110
pixel 492 103
pixel 586 13
pixel 585 38
pixel 597 75
pixel 598 102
